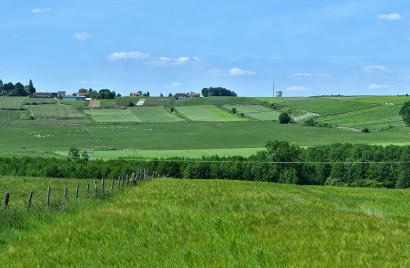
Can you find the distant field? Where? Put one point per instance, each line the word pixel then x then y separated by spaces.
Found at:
pixel 112 116
pixel 108 103
pixel 396 100
pixel 186 223
pixel 154 114
pixel 257 112
pixel 218 101
pixel 114 154
pixel 7 116
pixel 12 103
pixel 373 118
pixel 207 113
pixel 38 101
pixel 57 112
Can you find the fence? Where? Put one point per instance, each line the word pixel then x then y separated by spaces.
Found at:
pixel 101 190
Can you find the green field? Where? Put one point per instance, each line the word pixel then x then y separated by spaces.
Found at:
pixel 12 103
pixel 186 223
pixel 257 112
pixel 207 113
pixel 112 116
pixel 56 112
pixel 149 154
pixel 152 114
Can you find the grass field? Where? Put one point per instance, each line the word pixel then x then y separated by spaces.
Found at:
pixel 257 112
pixel 207 113
pixel 7 116
pixel 112 116
pixel 185 223
pixel 12 103
pixel 29 139
pixel 56 112
pixel 149 154
pixel 154 114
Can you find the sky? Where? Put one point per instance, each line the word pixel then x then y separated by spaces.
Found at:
pixel 309 47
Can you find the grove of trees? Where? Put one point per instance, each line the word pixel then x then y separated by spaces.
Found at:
pixel 18 89
pixel 281 162
pixel 405 112
pixel 217 91
pixel 102 94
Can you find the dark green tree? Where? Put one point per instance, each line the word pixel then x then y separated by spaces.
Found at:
pixel 284 118
pixel 74 154
pixel 30 89
pixel 405 112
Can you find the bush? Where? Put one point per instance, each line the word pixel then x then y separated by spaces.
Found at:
pixel 234 110
pixel 366 130
pixel 284 118
pixel 310 123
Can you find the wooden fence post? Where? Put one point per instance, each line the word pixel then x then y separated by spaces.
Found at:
pixel 119 182
pixel 6 200
pixel 65 195
pixel 30 199
pixel 112 185
pixel 48 196
pixel 77 191
pixel 103 185
pixel 95 187
pixel 87 190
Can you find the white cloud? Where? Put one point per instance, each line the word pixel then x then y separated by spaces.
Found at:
pixel 240 72
pixel 377 86
pixel 297 88
pixel 390 16
pixel 168 61
pixel 377 68
pixel 302 75
pixel 176 84
pixel 81 36
pixel 136 55
pixel 40 10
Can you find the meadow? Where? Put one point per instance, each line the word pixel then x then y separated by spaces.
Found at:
pixel 152 114
pixel 112 116
pixel 200 223
pixel 207 113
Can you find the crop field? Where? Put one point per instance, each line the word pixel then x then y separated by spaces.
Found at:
pixel 154 114
pixel 57 112
pixel 12 103
pixel 108 104
pixel 150 154
pixel 38 101
pixel 7 116
pixel 257 112
pixel 199 223
pixel 207 113
pixel 374 117
pixel 218 101
pixel 112 116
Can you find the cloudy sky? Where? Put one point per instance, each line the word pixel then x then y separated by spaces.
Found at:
pixel 308 47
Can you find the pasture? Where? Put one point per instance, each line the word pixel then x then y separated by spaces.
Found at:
pixel 207 113
pixel 257 112
pixel 56 112
pixel 12 103
pixel 112 116
pixel 202 223
pixel 152 114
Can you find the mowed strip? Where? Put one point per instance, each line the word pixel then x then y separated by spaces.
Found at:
pixel 154 114
pixel 257 112
pixel 56 111
pixel 186 223
pixel 206 113
pixel 112 116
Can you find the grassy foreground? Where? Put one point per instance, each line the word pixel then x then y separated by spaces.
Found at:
pixel 185 223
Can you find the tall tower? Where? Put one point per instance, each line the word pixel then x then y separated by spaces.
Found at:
pixel 273 88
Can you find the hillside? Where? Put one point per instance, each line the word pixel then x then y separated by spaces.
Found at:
pixel 182 223
pixel 120 128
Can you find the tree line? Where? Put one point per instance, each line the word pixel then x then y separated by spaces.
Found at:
pixel 217 91
pixel 17 89
pixel 94 94
pixel 282 162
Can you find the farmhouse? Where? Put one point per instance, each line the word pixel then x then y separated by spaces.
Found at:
pixel 44 95
pixel 74 98
pixel 187 95
pixel 136 94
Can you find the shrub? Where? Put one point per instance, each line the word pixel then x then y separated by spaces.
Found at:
pixel 366 130
pixel 284 118
pixel 234 110
pixel 310 123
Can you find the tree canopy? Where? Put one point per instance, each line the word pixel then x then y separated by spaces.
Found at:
pixel 217 91
pixel 405 112
pixel 18 89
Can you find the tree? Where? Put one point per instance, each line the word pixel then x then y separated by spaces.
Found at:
pixel 1 87
pixel 170 95
pixel 30 89
pixel 84 156
pixel 106 94
pixel 405 112
pixel 19 90
pixel 217 91
pixel 234 110
pixel 284 118
pixel 161 95
pixel 74 154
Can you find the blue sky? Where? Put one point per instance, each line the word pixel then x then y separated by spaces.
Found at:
pixel 308 47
